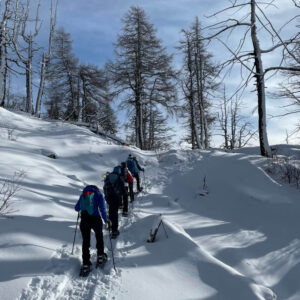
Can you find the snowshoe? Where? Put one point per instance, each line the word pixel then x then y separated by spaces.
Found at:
pixel 115 234
pixel 85 270
pixel 125 214
pixel 101 260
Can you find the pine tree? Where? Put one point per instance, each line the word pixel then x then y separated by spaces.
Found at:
pixel 63 100
pixel 95 98
pixel 142 71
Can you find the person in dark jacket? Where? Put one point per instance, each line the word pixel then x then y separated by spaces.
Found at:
pixel 137 175
pixel 128 182
pixel 113 190
pixel 89 204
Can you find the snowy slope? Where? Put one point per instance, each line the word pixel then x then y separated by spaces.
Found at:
pixel 237 237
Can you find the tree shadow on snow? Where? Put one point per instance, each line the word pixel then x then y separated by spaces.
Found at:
pixel 41 228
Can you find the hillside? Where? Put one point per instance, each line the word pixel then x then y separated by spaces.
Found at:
pixel 237 237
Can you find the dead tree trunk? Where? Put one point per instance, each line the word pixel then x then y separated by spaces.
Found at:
pixel 45 62
pixel 28 66
pixel 265 149
pixel 3 52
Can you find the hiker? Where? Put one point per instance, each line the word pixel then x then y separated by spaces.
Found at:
pixel 89 204
pixel 113 190
pixel 134 168
pixel 128 181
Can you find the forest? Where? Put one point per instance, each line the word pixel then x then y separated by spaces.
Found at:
pixel 143 80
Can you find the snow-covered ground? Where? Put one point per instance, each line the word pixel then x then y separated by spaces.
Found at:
pixel 233 232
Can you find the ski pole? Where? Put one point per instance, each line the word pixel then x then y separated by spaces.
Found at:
pixel 112 251
pixel 144 181
pixel 75 233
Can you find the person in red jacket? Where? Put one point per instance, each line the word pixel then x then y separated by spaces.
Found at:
pixel 128 182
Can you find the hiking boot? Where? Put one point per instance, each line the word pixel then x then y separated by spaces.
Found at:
pixel 102 258
pixel 114 234
pixel 125 214
pixel 85 270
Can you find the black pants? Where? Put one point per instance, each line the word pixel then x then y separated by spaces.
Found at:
pixel 131 194
pixel 137 177
pixel 87 223
pixel 125 200
pixel 113 202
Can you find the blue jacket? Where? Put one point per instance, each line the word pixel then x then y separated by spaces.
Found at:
pixel 99 203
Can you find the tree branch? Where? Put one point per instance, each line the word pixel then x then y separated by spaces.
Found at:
pixel 294 69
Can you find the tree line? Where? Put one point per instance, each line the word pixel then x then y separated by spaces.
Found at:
pixel 143 78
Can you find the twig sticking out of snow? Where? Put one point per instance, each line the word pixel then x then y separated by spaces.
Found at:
pixel 8 189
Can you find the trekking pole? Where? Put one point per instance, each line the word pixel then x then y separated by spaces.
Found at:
pixel 112 251
pixel 75 233
pixel 144 181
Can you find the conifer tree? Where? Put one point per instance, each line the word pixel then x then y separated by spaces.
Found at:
pixel 63 100
pixel 142 72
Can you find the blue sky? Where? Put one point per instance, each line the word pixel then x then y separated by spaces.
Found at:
pixel 94 25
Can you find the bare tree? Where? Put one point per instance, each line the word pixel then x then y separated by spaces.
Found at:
pixel 223 118
pixel 187 84
pixel 26 59
pixel 235 128
pixel 46 57
pixel 199 81
pixel 251 60
pixel 9 19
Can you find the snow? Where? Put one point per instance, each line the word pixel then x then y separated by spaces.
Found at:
pixel 234 236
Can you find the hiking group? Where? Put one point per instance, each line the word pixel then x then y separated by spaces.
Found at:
pixel 91 207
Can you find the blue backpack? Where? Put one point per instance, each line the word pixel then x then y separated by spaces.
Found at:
pixel 87 202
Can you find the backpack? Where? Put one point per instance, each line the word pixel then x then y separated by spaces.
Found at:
pixel 112 185
pixel 131 165
pixel 87 202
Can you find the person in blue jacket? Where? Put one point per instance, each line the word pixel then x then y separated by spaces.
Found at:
pixel 134 167
pixel 89 204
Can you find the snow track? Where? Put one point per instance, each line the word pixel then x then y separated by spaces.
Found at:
pixel 64 282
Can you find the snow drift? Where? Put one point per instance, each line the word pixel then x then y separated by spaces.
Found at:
pixel 232 230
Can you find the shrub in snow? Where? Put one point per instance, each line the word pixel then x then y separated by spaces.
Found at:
pixel 10 134
pixel 8 189
pixel 10 131
pixel 287 168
